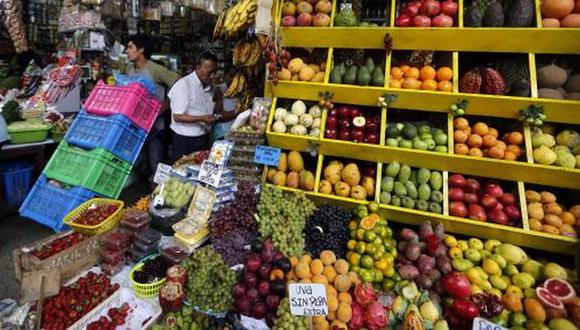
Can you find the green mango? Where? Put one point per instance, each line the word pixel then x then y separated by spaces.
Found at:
pixel 335 76
pixel 387 184
pixel 378 78
pixel 424 192
pixel 422 205
pixel 350 77
pixel 342 69
pixel 404 173
pixel 436 180
pixel 423 175
pixel 363 76
pixel 393 169
pixel 400 189
pixel 411 189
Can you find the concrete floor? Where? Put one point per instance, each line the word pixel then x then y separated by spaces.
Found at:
pixel 16 231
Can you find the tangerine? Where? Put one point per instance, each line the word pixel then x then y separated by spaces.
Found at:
pixel 429 85
pixel 394 83
pixel 480 128
pixel 461 149
pixel 405 68
pixel 444 73
pixel 489 140
pixel 517 150
pixel 515 138
pixel 445 86
pixel 496 152
pixel 396 72
pixel 428 73
pixel 475 152
pixel 412 73
pixel 460 136
pixel 475 141
pixel 493 132
pixel 411 83
pixel 501 145
pixel 508 155
pixel 460 123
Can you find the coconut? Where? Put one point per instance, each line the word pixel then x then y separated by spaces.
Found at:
pixel 551 76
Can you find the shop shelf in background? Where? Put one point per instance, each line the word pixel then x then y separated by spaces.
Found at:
pixel 97 170
pixel 16 177
pixel 132 101
pixel 49 202
pixel 116 134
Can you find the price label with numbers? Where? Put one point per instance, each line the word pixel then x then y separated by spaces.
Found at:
pixel 210 173
pixel 267 155
pixel 308 299
pixel 483 324
pixel 162 173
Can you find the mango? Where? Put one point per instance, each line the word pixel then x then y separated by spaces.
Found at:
pixel 490 244
pixel 510 270
pixel 491 267
pixel 561 324
pixel 501 262
pixel 498 282
pixel 552 270
pixel 511 253
pixel 533 268
pixel 473 255
pixel 462 245
pixel 475 243
pixel 523 280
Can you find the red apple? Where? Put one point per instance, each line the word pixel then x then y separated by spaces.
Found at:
pixel 430 8
pixel 357 136
pixel 344 135
pixel 331 133
pixel 456 181
pixel 472 186
pixel 354 112
pixel 331 122
pixel 458 209
pixel 498 216
pixel 372 138
pixel 421 21
pixel 456 195
pixel 442 21
pixel 343 112
pixel 494 190
pixel 344 124
pixel 508 199
pixel 288 21
pixel 372 126
pixel 449 7
pixel 489 202
pixel 476 212
pixel 470 198
pixel 512 212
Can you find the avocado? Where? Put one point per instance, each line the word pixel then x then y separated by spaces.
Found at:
pixel 520 13
pixel 350 77
pixel 392 131
pixel 363 77
pixel 493 16
pixel 335 76
pixel 473 16
pixel 370 64
pixel 378 77
pixel 409 131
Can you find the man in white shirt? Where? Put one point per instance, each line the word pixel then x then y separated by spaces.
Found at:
pixel 192 107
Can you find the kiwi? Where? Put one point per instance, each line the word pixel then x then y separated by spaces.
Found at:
pixel 552 76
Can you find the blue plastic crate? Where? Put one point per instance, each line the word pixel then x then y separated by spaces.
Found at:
pixel 48 204
pixel 16 177
pixel 116 133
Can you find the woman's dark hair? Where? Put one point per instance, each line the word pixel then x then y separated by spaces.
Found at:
pixel 142 41
pixel 205 56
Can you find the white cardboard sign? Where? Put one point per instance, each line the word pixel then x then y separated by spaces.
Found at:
pixel 308 299
pixel 162 173
pixel 483 324
pixel 210 173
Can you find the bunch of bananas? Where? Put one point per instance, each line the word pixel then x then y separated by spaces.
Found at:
pixel 236 19
pixel 245 102
pixel 237 86
pixel 247 53
pixel 142 204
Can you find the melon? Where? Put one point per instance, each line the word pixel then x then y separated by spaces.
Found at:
pixel 548 299
pixel 560 289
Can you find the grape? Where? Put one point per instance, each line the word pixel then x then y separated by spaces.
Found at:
pixel 333 222
pixel 286 321
pixel 209 280
pixel 282 216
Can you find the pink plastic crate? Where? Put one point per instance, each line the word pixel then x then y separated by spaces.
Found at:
pixel 132 101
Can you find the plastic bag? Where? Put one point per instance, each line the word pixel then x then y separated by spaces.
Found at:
pixel 125 80
pixel 260 112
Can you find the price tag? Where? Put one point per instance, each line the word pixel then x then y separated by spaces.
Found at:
pixel 97 40
pixel 267 155
pixel 308 299
pixel 483 324
pixel 210 173
pixel 162 173
pixel 252 323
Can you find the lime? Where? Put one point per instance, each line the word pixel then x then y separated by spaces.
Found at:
pixel 367 262
pixel 355 269
pixel 378 275
pixel 361 247
pixel 388 284
pixel 351 245
pixel 373 207
pixel 353 234
pixel 371 248
pixel 360 234
pixel 353 225
pixel 377 256
pixel 370 236
pixel 361 212
pixel 354 259
pixel 378 241
pixel 367 275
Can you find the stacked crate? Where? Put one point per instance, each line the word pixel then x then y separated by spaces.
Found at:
pixel 97 154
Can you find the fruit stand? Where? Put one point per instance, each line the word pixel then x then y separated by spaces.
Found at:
pixel 531 43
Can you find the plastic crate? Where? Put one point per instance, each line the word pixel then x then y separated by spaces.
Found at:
pixel 116 134
pixel 21 136
pixel 105 225
pixel 48 204
pixel 132 100
pixel 16 177
pixel 97 169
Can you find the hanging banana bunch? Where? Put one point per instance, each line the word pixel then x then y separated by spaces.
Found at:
pixel 237 86
pixel 247 53
pixel 236 19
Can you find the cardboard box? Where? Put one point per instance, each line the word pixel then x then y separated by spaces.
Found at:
pixel 70 262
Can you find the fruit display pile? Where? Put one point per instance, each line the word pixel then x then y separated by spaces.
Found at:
pixel 554 82
pixel 53 247
pixel 281 217
pixel 352 124
pixel 209 280
pixel 548 216
pixel 483 200
pixel 519 13
pixel 185 319
pixel 116 317
pixel 421 136
pixel 351 73
pixel 299 69
pixel 153 270
pixel 348 180
pixel 327 229
pixel 306 13
pixel 428 13
pixel 176 193
pixel 262 286
pixel 564 14
pixel 481 140
pixel 419 189
pixel 286 321
pixel 291 172
pixel 297 121
pixel 232 227
pixel 425 78
pixel 75 300
pixel 563 150
pixel 95 214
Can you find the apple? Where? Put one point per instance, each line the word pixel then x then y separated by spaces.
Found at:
pixel 344 124
pixel 430 8
pixel 403 21
pixel 372 126
pixel 357 136
pixel 411 9
pixel 470 198
pixel 344 135
pixel 372 138
pixel 333 113
pixel 354 112
pixel 288 21
pixel 499 217
pixel 458 209
pixel 331 133
pixel 494 190
pixel 421 21
pixel 343 112
pixel 331 122
pixel 449 7
pixel 489 202
pixel 472 186
pixel 442 21
pixel 508 199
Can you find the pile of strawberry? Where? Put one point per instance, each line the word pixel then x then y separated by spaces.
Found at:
pixel 76 300
pixel 60 244
pixel 116 317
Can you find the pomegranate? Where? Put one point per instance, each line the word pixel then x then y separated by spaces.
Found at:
pixel 548 299
pixel 449 7
pixel 403 21
pixel 288 21
pixel 421 21
pixel 430 8
pixel 411 9
pixel 561 289
pixel 442 21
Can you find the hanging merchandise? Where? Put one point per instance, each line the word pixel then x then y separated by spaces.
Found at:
pixel 73 17
pixel 11 15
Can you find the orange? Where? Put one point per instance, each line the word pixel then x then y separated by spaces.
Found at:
pixel 396 72
pixel 445 86
pixel 493 132
pixel 515 138
pixel 411 83
pixel 429 85
pixel 508 155
pixel 475 152
pixel 394 83
pixel 460 136
pixel 501 145
pixel 480 128
pixel 412 73
pixel 460 123
pixel 489 140
pixel 496 152
pixel 516 150
pixel 428 73
pixel 444 73
pixel 475 141
pixel 405 68
pixel 461 149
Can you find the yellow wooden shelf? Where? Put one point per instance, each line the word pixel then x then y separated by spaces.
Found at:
pixel 557 111
pixel 505 40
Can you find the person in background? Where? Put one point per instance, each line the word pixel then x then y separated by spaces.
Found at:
pixel 228 113
pixel 193 107
pixel 139 53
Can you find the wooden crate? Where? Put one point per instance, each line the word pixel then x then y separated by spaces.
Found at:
pixel 70 262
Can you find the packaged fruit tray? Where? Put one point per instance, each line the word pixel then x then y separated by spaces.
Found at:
pixel 97 209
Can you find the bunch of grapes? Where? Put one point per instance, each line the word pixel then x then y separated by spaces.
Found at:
pixel 232 246
pixel 282 216
pixel 209 280
pixel 327 229
pixel 286 321
pixel 237 214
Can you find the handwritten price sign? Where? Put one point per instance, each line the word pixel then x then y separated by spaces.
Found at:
pixel 267 155
pixel 308 299
pixel 210 173
pixel 483 324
